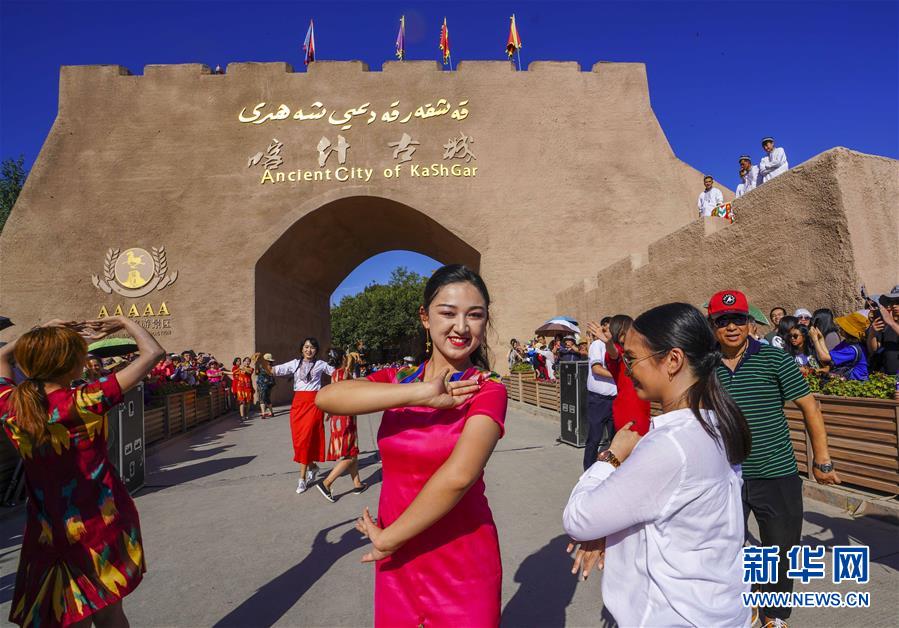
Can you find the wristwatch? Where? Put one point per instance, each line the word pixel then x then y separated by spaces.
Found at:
pixel 827 467
pixel 606 455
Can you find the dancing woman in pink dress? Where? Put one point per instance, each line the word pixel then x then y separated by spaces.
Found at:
pixel 435 546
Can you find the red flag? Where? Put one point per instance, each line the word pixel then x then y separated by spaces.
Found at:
pixel 444 42
pixel 309 44
pixel 514 43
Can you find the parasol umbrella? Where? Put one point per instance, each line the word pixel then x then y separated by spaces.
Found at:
pixel 758 316
pixel 558 325
pixel 112 347
pixel 5 322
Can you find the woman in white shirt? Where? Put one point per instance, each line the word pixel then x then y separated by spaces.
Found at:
pixel 307 422
pixel 668 522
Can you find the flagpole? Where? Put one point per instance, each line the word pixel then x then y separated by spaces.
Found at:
pixel 518 55
pixel 450 57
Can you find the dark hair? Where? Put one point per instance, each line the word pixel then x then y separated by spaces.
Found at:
pixel 314 343
pixel 678 325
pixel 777 307
pixel 236 361
pixel 805 349
pixel 786 324
pixel 822 319
pixel 335 357
pixel 458 273
pixel 708 176
pixel 618 326
pixel 605 320
pixel 513 342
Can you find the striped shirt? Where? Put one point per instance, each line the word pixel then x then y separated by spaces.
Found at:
pixel 764 380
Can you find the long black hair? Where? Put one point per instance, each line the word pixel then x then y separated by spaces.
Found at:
pixel 618 326
pixel 679 325
pixel 823 320
pixel 785 326
pixel 457 273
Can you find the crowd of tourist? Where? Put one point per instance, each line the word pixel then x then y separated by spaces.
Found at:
pixel 774 163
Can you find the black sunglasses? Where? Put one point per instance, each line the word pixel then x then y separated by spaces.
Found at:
pixel 724 321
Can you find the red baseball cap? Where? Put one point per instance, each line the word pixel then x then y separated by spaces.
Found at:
pixel 728 302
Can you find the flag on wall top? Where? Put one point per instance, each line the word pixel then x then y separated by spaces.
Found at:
pixel 444 42
pixel 309 44
pixel 401 40
pixel 514 43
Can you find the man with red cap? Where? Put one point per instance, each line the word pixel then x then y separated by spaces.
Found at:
pixel 761 379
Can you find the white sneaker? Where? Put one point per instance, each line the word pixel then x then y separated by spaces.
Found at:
pixel 301 486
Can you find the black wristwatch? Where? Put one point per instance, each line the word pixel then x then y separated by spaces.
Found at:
pixel 827 467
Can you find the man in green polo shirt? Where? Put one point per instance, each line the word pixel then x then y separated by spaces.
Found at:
pixel 761 379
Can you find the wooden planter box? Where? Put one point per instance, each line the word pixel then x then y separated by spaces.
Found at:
pixel 862 438
pixel 174 413
pixel 204 407
pixel 526 388
pixel 154 424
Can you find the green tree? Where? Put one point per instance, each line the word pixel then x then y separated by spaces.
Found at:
pixel 384 316
pixel 12 178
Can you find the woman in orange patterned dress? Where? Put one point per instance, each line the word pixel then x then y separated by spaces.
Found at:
pixel 242 385
pixel 344 442
pixel 81 552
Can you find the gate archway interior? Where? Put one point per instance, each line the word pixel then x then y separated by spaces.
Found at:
pixel 297 274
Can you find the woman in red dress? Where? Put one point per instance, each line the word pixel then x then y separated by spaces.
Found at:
pixel 627 406
pixel 344 442
pixel 242 384
pixel 435 545
pixel 81 552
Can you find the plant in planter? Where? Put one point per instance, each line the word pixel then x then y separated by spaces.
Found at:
pixel 878 386
pixel 522 367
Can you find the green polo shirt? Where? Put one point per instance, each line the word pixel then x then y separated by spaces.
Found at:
pixel 764 380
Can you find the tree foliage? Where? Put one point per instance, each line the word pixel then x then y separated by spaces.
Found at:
pixel 12 179
pixel 384 316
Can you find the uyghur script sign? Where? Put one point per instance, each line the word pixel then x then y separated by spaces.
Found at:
pixel 344 119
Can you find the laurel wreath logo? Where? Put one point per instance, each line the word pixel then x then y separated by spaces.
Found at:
pixel 161 277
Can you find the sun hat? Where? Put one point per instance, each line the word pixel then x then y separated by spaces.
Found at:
pixel 802 312
pixel 854 324
pixel 889 298
pixel 269 357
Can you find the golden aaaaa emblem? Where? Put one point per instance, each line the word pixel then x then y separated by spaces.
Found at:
pixel 134 272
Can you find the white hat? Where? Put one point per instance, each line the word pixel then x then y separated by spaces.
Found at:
pixel 802 312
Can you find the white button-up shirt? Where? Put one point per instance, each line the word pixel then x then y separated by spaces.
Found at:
pixel 773 164
pixel 672 516
pixel 708 201
pixel 749 181
pixel 596 383
pixel 307 376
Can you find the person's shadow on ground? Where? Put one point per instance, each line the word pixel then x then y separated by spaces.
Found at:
pixel 272 600
pixel 547 587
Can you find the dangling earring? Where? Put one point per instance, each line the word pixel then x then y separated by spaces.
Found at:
pixel 428 341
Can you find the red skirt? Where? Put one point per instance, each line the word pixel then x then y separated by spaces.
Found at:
pixel 307 426
pixel 344 443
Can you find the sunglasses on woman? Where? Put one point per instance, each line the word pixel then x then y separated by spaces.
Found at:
pixel 795 336
pixel 630 362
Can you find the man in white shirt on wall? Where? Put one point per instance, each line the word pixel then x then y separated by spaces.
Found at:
pixel 710 198
pixel 749 175
pixel 774 163
pixel 601 392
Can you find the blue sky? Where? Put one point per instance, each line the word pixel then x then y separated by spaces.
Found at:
pixel 814 74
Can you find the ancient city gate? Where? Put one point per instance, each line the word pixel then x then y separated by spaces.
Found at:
pixel 221 211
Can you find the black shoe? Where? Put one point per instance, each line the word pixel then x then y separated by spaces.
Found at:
pixel 360 489
pixel 325 492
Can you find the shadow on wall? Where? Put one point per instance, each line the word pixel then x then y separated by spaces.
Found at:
pixel 272 600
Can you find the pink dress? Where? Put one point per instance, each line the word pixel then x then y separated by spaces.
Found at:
pixel 451 574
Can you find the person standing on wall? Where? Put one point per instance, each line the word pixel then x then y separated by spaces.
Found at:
pixel 761 379
pixel 307 425
pixel 601 392
pixel 343 446
pixel 774 163
pixel 434 542
pixel 709 198
pixel 82 551
pixel 749 176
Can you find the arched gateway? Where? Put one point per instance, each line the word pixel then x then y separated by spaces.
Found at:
pixel 222 210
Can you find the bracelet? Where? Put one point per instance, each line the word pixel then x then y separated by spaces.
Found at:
pixel 606 455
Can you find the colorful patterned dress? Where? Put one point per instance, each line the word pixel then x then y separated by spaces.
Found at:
pixel 344 442
pixel 82 546
pixel 451 574
pixel 243 385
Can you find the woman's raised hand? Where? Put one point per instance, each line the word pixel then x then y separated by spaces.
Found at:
pixel 443 394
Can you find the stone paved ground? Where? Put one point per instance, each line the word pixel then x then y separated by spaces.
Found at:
pixel 229 543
